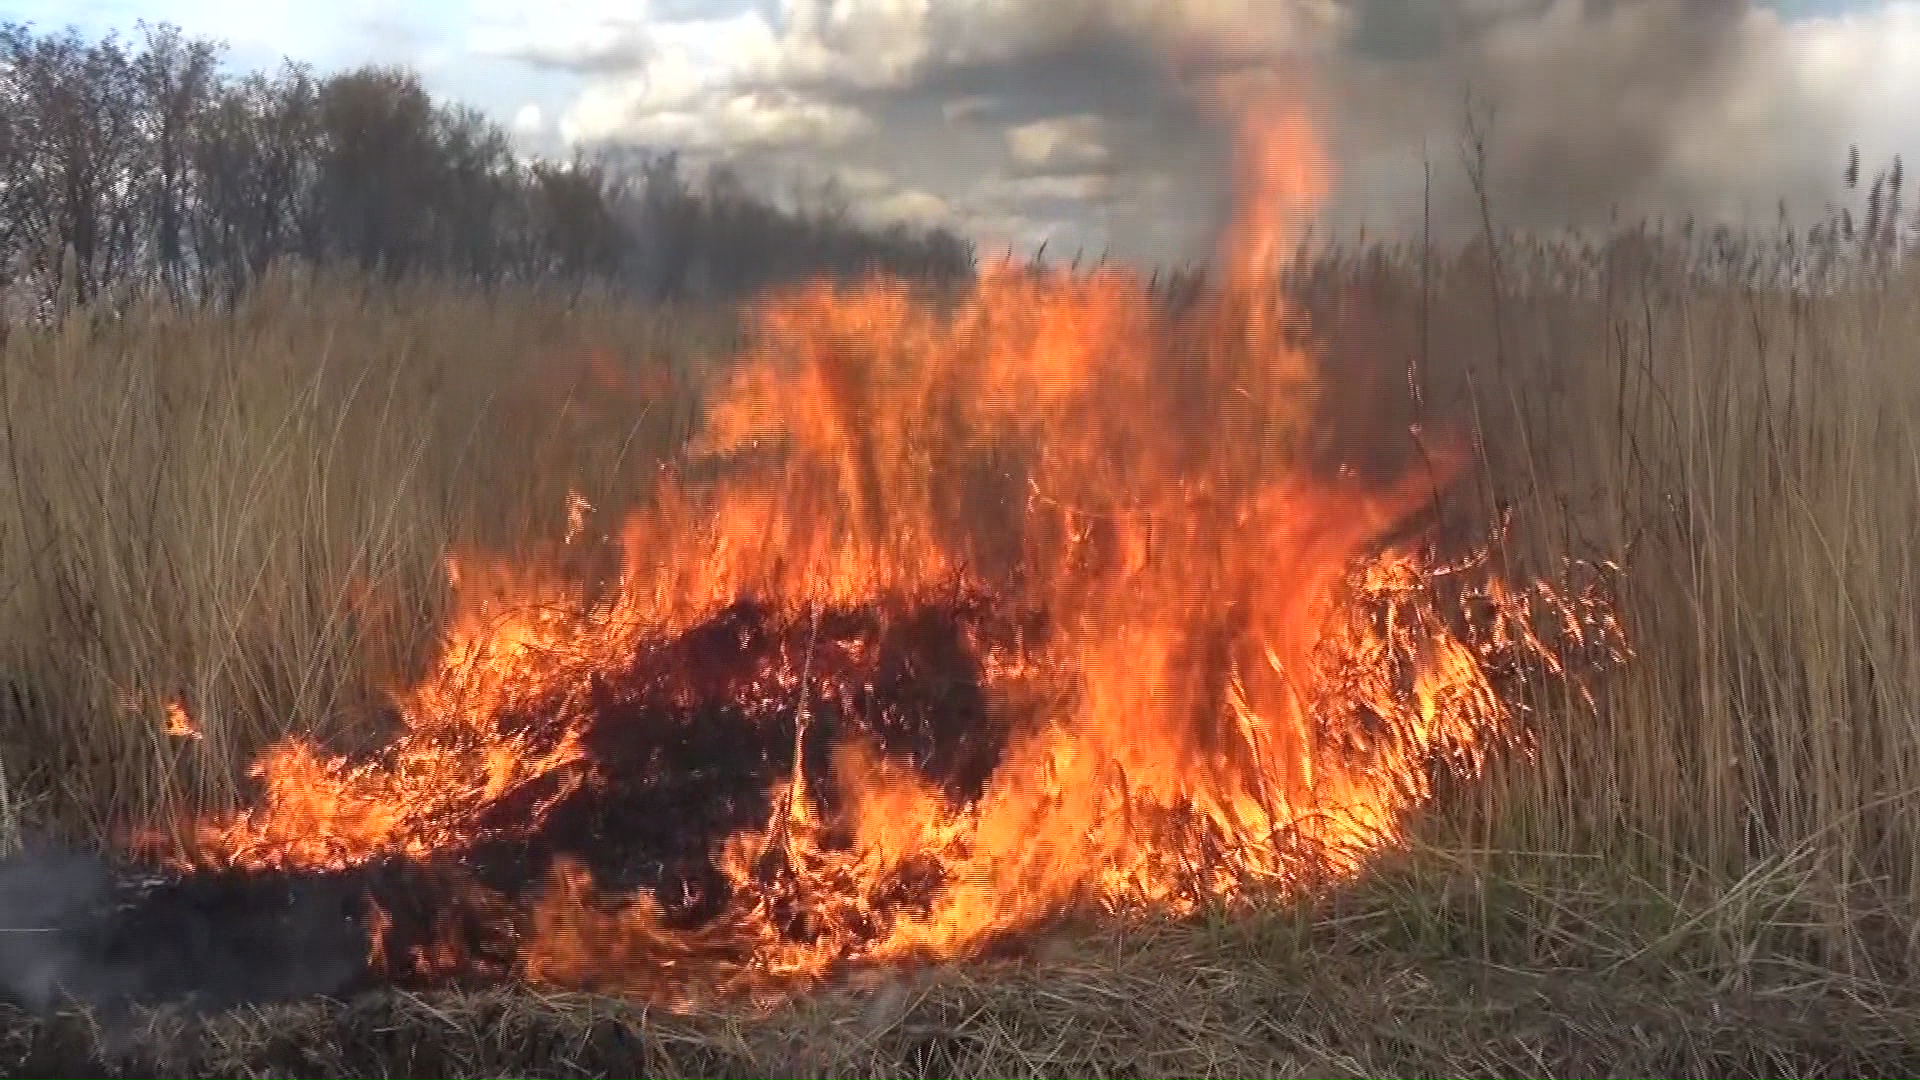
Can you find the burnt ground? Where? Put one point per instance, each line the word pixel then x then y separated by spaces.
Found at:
pixel 685 743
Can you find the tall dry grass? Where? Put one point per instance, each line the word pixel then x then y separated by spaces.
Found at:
pixel 194 506
pixel 245 513
pixel 1746 797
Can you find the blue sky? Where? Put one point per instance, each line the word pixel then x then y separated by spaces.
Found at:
pixel 965 112
pixel 431 35
pixel 434 36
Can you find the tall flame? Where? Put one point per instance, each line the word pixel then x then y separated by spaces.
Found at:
pixel 1205 668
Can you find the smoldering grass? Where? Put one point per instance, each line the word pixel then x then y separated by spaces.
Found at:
pixel 1713 869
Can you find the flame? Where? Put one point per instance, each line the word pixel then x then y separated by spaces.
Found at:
pixel 577 510
pixel 1195 667
pixel 177 722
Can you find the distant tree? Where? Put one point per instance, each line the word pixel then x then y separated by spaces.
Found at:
pixel 174 81
pixel 140 163
pixel 74 124
pixel 576 216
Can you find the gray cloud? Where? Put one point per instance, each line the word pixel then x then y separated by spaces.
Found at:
pixel 1648 107
pixel 1060 144
pixel 1077 120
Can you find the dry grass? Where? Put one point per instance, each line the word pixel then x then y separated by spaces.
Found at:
pixel 224 510
pixel 1753 456
pixel 1347 993
pixel 1716 872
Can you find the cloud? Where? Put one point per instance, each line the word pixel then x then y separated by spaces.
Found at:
pixel 693 84
pixel 913 207
pixel 973 107
pixel 715 121
pixel 1863 70
pixel 894 43
pixel 879 197
pixel 1083 118
pixel 1059 144
pixel 1718 110
pixel 1581 108
pixel 1059 187
pixel 859 182
pixel 1714 108
pixel 584 36
pixel 529 123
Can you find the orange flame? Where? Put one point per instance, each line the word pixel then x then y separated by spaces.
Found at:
pixel 1235 679
pixel 178 722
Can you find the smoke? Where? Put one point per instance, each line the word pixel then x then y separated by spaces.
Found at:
pixel 1712 109
pixel 75 929
pixel 1578 110
pixel 1564 113
pixel 40 895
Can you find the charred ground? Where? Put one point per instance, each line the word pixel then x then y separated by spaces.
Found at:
pixel 684 747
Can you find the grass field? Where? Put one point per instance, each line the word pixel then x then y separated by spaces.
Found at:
pixel 1714 870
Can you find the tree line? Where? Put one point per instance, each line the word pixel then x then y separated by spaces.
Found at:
pixel 141 163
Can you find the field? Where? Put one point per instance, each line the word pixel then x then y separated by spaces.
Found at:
pixel 220 529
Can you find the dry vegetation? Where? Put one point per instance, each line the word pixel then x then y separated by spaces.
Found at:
pixel 1713 872
pixel 224 511
pixel 1336 998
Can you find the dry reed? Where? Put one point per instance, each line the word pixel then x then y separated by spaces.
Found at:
pixel 1727 846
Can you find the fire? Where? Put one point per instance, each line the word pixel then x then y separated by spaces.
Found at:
pixel 175 720
pixel 179 723
pixel 577 510
pixel 961 613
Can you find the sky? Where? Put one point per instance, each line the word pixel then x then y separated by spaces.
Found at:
pixel 1022 121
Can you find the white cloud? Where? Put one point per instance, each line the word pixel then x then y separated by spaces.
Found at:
pixel 692 84
pixel 1866 66
pixel 821 48
pixel 529 122
pixel 715 121
pixel 1059 144
pixel 585 34
pixel 913 207
pixel 1058 187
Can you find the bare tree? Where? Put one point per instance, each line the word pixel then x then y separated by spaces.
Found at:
pixel 141 163
pixel 174 81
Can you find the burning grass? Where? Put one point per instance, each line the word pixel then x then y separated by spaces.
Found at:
pixel 916 625
pixel 985 612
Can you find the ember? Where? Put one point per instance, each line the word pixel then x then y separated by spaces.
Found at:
pixel 962 613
